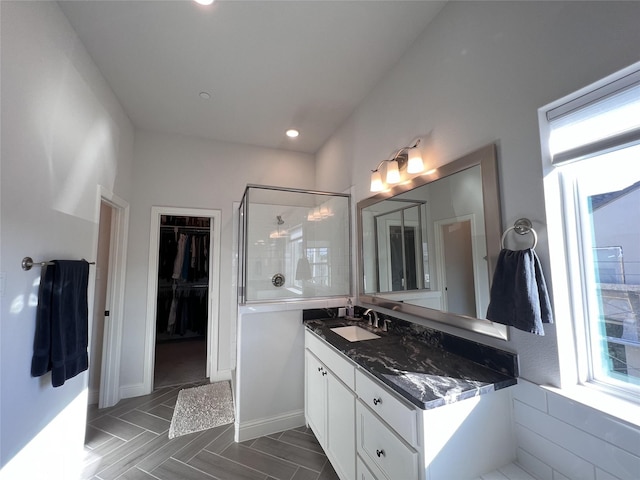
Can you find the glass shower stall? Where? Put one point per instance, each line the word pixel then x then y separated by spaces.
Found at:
pixel 293 245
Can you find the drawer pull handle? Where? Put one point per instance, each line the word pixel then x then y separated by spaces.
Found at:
pixel 380 453
pixel 376 401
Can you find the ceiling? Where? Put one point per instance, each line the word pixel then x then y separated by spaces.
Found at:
pixel 267 65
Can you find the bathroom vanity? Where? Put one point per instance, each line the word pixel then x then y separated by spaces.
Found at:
pixel 413 403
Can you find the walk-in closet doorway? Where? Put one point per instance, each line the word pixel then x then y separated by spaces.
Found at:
pixel 182 302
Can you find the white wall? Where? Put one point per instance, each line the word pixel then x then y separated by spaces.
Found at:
pixel 270 381
pixel 63 134
pixel 178 171
pixel 478 75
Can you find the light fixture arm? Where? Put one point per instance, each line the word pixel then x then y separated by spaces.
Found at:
pixel 397 154
pixel 379 165
pixel 404 149
pixel 412 159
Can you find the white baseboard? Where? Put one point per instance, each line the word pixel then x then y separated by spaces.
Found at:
pixel 129 391
pixel 93 396
pixel 266 426
pixel 220 375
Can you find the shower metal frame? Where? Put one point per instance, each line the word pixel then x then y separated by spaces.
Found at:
pixel 243 249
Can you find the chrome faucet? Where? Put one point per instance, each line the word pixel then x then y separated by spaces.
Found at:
pixel 373 316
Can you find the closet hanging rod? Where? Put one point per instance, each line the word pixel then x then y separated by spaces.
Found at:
pixel 184 228
pixel 27 263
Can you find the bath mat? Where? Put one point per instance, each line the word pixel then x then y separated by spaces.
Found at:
pixel 201 408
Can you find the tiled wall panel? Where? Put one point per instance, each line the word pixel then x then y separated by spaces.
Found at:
pixel 610 429
pixel 531 394
pixel 553 455
pixel 562 439
pixel 530 463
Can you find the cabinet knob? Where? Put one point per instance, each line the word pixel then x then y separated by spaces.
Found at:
pixel 324 373
pixel 376 401
pixel 380 453
pixel 319 369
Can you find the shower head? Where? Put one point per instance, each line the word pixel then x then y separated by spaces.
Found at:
pixel 280 220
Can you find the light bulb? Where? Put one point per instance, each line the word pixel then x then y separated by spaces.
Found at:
pixel 393 174
pixel 376 182
pixel 415 164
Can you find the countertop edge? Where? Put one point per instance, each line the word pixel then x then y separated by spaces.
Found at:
pixel 405 394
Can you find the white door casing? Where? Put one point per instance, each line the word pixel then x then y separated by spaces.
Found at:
pixel 440 257
pixel 152 291
pixel 109 393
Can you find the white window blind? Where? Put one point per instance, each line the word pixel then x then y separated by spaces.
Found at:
pixel 603 120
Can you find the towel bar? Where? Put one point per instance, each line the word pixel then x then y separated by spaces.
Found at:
pixel 27 263
pixel 521 226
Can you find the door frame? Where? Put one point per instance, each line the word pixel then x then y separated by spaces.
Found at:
pixel 109 393
pixel 387 247
pixel 213 309
pixel 440 261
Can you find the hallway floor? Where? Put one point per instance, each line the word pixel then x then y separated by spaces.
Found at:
pixel 180 362
pixel 129 442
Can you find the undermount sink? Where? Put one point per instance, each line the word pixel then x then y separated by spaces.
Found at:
pixel 353 333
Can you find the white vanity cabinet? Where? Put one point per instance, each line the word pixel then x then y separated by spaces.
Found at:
pixel 386 435
pixel 315 397
pixel 460 440
pixel 370 432
pixel 330 404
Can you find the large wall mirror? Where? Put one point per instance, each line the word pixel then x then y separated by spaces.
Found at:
pixel 428 247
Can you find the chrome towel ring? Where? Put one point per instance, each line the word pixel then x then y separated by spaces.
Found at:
pixel 521 226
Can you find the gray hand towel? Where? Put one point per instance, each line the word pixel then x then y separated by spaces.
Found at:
pixel 519 296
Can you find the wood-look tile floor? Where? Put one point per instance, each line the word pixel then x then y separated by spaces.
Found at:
pixel 129 442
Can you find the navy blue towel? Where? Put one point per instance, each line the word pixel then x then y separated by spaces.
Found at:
pixel 61 337
pixel 519 296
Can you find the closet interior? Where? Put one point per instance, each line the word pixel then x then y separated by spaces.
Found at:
pixel 182 302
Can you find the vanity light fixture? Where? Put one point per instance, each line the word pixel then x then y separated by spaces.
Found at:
pixel 319 213
pixel 376 181
pixel 406 155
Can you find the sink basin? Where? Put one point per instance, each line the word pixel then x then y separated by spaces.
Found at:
pixel 353 333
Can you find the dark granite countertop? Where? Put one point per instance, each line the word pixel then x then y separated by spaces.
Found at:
pixel 420 368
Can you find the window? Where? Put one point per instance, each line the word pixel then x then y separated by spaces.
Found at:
pixel 591 146
pixel 318 257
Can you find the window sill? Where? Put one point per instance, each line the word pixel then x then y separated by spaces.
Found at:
pixel 591 396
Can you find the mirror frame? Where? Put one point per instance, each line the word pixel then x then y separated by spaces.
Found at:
pixel 487 158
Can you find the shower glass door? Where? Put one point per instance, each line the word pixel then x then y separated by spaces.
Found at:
pixel 294 244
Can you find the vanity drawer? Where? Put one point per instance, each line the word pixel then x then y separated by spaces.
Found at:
pixel 362 471
pixel 336 362
pixel 396 413
pixel 383 448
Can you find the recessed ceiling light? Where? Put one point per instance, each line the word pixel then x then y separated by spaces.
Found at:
pixel 205 95
pixel 204 2
pixel 292 133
